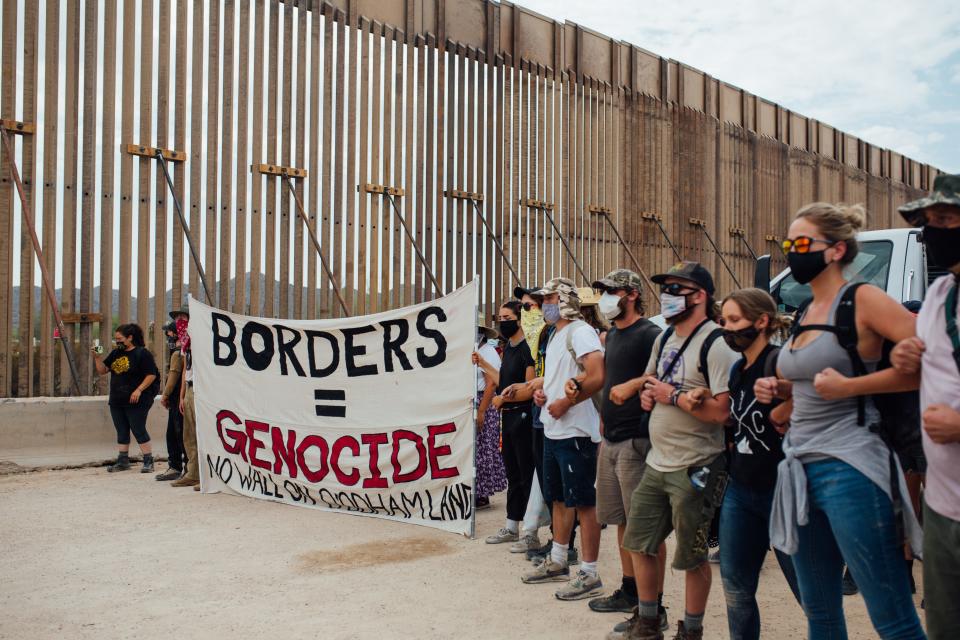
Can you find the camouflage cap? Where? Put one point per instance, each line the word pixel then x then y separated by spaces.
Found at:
pixel 946 191
pixel 569 296
pixel 619 279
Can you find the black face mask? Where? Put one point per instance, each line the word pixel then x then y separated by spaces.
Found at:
pixel 741 339
pixel 943 246
pixel 806 266
pixel 508 328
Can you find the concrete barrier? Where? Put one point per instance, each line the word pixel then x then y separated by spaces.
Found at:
pixel 61 432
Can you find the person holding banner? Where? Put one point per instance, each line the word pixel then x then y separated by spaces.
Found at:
pixel 517 424
pixel 572 432
pixel 191 477
pixel 491 475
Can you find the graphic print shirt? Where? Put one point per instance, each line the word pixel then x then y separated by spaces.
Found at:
pixel 128 369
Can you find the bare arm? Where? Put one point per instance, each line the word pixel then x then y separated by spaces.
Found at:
pixel 488 369
pixel 488 392
pixel 712 409
pixel 98 363
pixel 591 380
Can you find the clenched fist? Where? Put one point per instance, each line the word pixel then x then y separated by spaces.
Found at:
pixel 906 356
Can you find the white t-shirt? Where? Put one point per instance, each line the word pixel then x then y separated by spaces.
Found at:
pixel 488 353
pixel 582 420
pixel 939 384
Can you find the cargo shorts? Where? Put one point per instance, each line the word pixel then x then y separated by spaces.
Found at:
pixel 620 466
pixel 670 501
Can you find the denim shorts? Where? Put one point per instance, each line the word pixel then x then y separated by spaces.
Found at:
pixel 570 471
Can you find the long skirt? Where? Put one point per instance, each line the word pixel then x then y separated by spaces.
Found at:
pixel 491 475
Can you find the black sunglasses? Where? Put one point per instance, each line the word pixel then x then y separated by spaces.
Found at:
pixel 677 289
pixel 529 305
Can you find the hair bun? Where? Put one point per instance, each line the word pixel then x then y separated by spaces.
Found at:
pixel 855 215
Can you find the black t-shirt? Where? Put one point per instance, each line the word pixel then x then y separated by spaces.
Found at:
pixel 626 356
pixel 128 369
pixel 513 368
pixel 757 448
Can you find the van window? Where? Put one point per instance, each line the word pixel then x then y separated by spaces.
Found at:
pixel 872 265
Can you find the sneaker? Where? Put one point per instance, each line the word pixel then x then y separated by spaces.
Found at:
pixel 637 628
pixel 537 555
pixel 185 482
pixel 169 474
pixel 684 634
pixel 546 571
pixel 849 584
pixel 122 463
pixel 147 464
pixel 526 543
pixel 583 585
pixel 504 535
pixel 618 601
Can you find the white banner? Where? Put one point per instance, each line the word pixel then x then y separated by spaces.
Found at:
pixel 369 415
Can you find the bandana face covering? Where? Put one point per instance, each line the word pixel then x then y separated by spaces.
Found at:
pixel 182 335
pixel 943 245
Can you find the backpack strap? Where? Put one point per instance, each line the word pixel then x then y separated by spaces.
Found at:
pixel 845 328
pixel 663 343
pixel 770 364
pixel 705 352
pixel 950 308
pixel 676 358
pixel 573 354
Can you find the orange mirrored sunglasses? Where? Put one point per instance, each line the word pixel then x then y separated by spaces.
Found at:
pixel 802 244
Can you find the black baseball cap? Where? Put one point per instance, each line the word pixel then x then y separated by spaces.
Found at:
pixel 519 292
pixel 687 270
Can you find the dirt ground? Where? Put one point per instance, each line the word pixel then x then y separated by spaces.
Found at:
pixel 89 554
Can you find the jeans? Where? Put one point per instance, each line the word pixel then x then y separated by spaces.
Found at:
pixel 518 459
pixel 744 541
pixel 851 519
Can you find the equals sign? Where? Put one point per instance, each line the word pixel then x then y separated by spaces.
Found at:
pixel 330 410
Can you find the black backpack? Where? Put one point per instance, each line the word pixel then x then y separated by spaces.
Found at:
pixel 704 351
pixel 899 423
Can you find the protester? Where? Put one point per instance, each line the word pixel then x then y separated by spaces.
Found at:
pixel 491 475
pixel 516 428
pixel 191 476
pixel 572 431
pixel 750 320
pixel 531 320
pixel 170 399
pixel 134 382
pixel 937 349
pixel 833 499
pixel 625 425
pixel 533 327
pixel 686 390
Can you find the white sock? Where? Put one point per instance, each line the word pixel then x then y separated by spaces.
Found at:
pixel 559 553
pixel 513 526
pixel 589 568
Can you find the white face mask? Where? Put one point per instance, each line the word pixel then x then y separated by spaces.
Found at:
pixel 671 306
pixel 609 305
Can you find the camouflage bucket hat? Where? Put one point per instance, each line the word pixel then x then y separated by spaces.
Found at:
pixel 619 279
pixel 946 191
pixel 569 297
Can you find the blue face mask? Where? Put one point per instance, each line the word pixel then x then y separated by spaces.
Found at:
pixel 672 306
pixel 551 313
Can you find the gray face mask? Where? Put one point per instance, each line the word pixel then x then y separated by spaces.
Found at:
pixel 551 313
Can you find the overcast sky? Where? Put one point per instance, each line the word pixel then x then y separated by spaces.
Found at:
pixel 887 71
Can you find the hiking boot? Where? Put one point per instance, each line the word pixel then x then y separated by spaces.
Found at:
pixel 618 601
pixel 849 584
pixel 583 585
pixel 185 482
pixel 526 543
pixel 122 463
pixel 504 535
pixel 683 634
pixel 147 463
pixel 546 571
pixel 637 628
pixel 621 627
pixel 169 474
